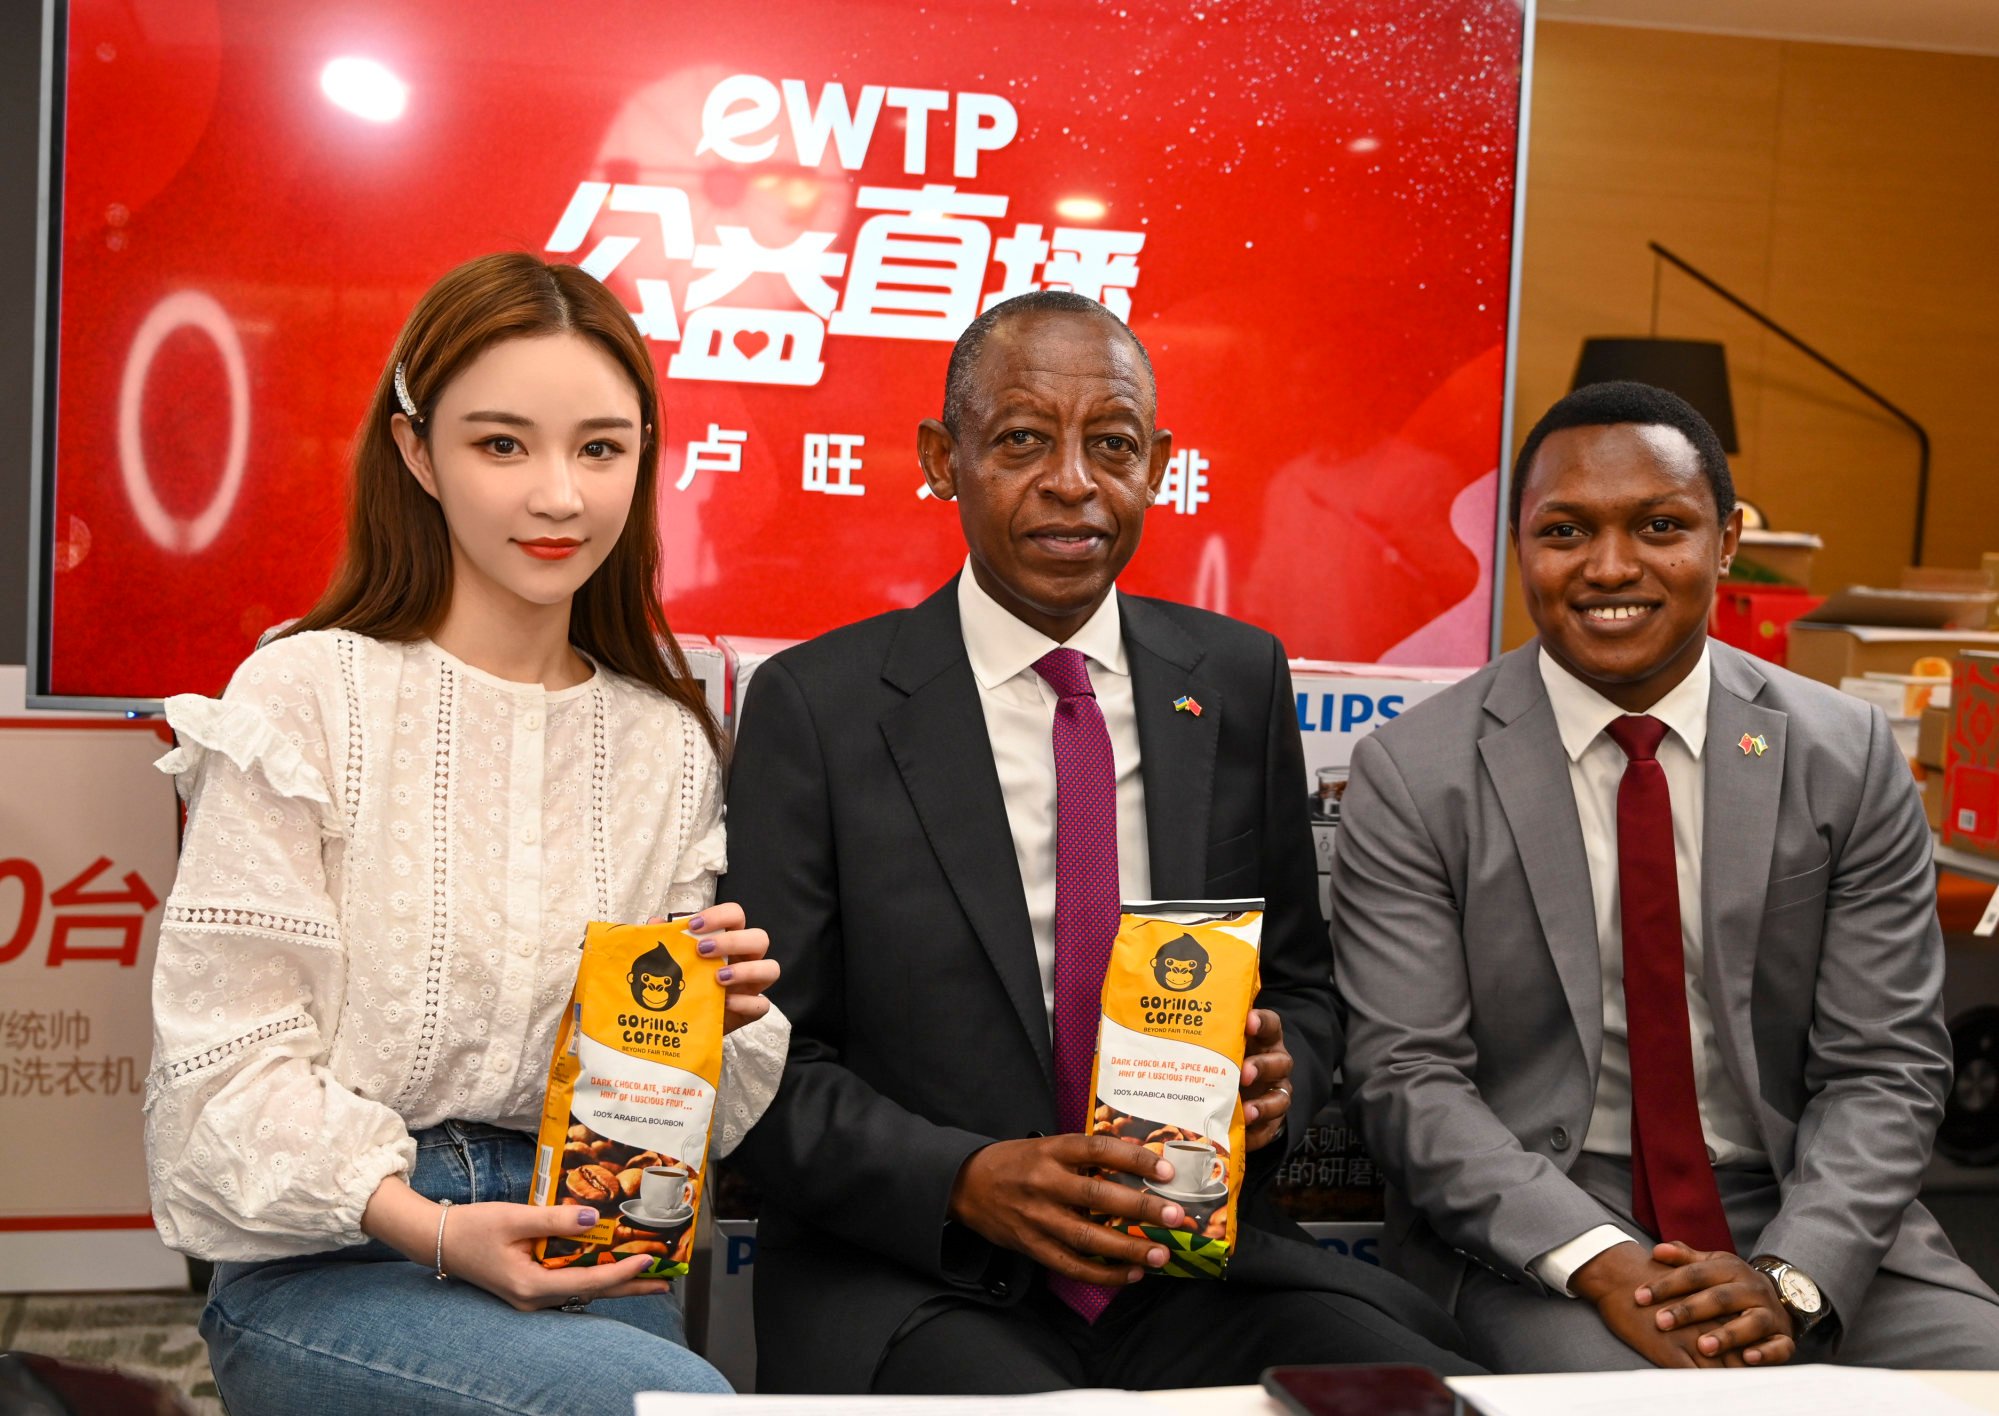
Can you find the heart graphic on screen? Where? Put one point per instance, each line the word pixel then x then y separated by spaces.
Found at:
pixel 750 342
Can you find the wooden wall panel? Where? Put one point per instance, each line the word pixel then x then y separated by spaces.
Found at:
pixel 1852 193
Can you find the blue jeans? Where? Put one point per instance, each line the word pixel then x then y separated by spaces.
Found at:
pixel 364 1329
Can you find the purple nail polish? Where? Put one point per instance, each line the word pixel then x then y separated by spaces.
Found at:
pixel 724 975
pixel 585 1218
pixel 695 925
pixel 706 946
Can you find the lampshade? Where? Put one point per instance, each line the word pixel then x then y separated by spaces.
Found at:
pixel 1695 369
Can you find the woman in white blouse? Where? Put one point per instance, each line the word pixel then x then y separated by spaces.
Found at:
pixel 401 815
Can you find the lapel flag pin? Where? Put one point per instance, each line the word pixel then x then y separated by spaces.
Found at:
pixel 1185 704
pixel 1758 744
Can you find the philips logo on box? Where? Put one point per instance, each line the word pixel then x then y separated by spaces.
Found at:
pixel 1346 712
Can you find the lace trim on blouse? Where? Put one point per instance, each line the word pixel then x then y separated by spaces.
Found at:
pixel 389 855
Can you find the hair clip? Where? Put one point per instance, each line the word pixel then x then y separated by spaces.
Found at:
pixel 408 403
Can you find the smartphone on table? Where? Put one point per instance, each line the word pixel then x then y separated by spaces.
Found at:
pixel 1361 1391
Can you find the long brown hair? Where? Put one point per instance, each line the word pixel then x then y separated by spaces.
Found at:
pixel 394 578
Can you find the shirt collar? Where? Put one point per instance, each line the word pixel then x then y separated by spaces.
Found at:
pixel 1001 646
pixel 1581 713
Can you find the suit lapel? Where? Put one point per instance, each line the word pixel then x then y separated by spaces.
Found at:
pixel 938 740
pixel 1176 750
pixel 1738 838
pixel 1530 772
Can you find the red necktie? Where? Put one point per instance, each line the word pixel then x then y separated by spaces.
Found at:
pixel 1673 1192
pixel 1086 906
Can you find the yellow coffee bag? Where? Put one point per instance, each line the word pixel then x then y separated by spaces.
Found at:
pixel 631 1094
pixel 1168 1071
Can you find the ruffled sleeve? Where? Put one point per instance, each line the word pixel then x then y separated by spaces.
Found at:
pixel 254 1150
pixel 249 740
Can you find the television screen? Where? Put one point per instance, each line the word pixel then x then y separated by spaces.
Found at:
pixel 1305 210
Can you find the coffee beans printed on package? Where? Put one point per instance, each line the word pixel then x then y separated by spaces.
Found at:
pixel 631 1096
pixel 1168 1070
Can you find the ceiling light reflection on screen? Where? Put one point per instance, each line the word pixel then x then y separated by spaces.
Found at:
pixel 1080 209
pixel 364 88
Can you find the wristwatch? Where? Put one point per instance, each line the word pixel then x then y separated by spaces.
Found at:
pixel 1795 1290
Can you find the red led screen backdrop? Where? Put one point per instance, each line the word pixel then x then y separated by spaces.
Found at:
pixel 1304 209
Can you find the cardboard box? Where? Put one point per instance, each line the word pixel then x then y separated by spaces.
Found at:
pixel 1932 790
pixel 1971 756
pixel 1831 652
pixel 1932 729
pixel 1955 606
pixel 1775 558
pixel 1900 695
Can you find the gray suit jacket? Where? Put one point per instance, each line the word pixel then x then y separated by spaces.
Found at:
pixel 1465 948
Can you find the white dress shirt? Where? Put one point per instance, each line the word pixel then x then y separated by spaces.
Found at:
pixel 1020 722
pixel 1596 767
pixel 389 862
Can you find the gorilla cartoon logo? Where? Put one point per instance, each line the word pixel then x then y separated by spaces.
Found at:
pixel 1181 964
pixel 655 979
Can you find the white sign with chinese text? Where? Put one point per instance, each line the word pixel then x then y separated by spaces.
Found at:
pixel 88 840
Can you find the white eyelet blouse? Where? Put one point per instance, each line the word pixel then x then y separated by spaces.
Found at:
pixel 389 862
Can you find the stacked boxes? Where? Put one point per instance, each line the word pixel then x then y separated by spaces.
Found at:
pixel 1932 732
pixel 1831 652
pixel 1971 756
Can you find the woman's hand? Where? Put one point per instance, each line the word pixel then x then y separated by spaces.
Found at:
pixel 745 972
pixel 492 1246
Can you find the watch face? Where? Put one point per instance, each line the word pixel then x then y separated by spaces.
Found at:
pixel 1799 1291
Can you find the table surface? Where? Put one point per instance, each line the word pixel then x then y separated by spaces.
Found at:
pixel 1979 1389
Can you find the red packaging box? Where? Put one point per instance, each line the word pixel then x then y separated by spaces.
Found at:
pixel 1757 618
pixel 1971 755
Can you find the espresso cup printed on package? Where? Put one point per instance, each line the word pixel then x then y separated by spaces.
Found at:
pixel 631 1094
pixel 1168 1071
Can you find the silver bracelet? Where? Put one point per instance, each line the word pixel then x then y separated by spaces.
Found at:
pixel 443 1212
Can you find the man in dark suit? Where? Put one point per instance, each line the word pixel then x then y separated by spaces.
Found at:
pixel 935 813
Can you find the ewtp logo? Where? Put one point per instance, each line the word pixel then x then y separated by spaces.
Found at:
pixel 1346 712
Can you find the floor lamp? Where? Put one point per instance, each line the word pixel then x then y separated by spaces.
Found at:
pixel 1697 370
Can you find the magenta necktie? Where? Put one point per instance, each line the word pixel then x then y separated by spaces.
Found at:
pixel 1086 906
pixel 1673 1190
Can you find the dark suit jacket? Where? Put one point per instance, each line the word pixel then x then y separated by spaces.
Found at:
pixel 868 835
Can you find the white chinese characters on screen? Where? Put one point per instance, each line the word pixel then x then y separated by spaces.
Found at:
pixel 926 260
pixel 922 265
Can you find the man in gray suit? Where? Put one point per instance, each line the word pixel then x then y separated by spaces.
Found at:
pixel 1639 938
